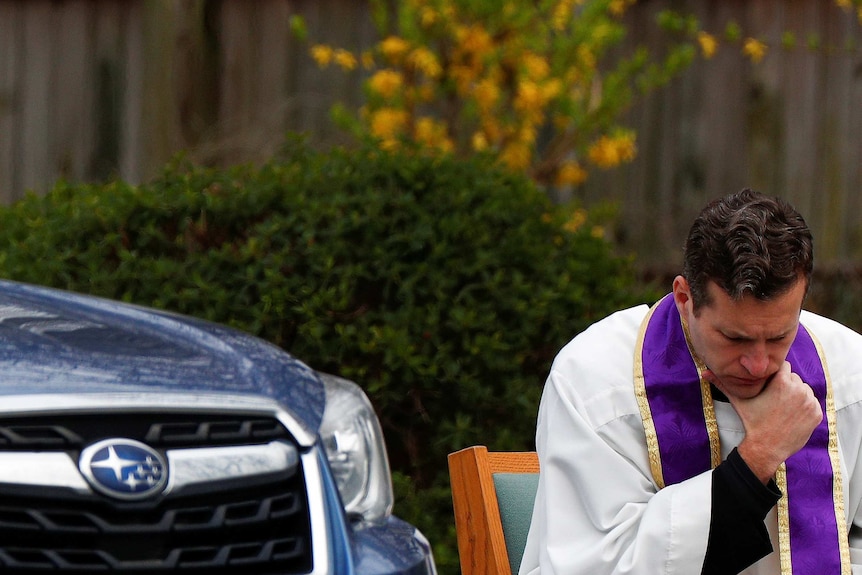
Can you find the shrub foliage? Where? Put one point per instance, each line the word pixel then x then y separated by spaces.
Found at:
pixel 444 287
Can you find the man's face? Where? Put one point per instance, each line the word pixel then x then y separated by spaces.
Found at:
pixel 743 343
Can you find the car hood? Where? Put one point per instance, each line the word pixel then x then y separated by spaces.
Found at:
pixel 54 342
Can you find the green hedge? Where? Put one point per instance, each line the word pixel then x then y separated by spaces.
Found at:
pixel 443 287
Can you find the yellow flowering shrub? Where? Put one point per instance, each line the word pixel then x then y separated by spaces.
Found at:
pixel 541 85
pixel 520 80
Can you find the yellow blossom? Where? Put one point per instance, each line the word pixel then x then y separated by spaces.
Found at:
pixel 529 96
pixel 426 61
pixel 473 39
pixel 527 134
pixel 428 16
pixel 618 7
pixel 516 155
pixel 708 44
pixel 425 129
pixel 433 134
pixel 344 59
pixel 601 32
pixel 387 123
pixel 571 173
pixel 487 92
pixel 608 152
pixel 576 220
pixel 322 54
pixel 448 12
pixel 754 49
pixel 552 89
pixel 598 232
pixel 625 145
pixel 389 144
pixel 394 48
pixel 536 66
pixel 386 83
pixel 479 142
pixel 561 15
pixel 586 57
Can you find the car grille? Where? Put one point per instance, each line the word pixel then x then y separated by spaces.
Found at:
pixel 249 525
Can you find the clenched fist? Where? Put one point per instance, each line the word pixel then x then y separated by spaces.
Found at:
pixel 778 421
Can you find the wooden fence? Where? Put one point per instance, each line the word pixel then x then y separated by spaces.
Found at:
pixel 91 89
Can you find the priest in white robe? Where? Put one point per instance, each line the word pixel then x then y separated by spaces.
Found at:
pixel 716 432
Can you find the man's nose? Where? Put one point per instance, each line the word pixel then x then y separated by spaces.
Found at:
pixel 756 361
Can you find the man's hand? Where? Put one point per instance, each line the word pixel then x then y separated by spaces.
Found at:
pixel 778 421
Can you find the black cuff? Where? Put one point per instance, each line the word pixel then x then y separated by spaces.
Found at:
pixel 740 502
pixel 746 487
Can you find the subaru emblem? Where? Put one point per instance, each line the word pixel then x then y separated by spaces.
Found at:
pixel 124 469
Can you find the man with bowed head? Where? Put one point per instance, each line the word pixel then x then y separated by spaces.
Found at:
pixel 716 432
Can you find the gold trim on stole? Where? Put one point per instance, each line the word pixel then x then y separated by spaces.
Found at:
pixel 708 404
pixel 783 522
pixel 643 404
pixel 835 458
pixel 837 484
pixel 646 413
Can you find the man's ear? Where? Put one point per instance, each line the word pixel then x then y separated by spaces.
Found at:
pixel 682 296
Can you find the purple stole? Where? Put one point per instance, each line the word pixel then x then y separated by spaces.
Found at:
pixel 682 440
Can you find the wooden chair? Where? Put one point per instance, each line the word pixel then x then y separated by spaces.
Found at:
pixel 493 495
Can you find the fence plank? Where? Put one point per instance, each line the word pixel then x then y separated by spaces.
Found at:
pixel 10 55
pixel 72 94
pixel 36 101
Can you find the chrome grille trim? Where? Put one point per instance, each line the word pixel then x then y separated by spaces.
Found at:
pixel 277 457
pixel 190 467
pixel 42 470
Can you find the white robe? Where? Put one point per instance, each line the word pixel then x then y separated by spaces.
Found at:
pixel 598 510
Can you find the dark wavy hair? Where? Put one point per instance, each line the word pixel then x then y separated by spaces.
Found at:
pixel 748 244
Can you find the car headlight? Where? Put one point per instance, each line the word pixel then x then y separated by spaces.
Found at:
pixel 356 450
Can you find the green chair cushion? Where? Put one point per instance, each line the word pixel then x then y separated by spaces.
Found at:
pixel 516 494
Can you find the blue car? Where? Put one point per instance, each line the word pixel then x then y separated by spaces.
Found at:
pixel 140 442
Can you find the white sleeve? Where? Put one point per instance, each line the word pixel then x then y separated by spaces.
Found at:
pixel 597 509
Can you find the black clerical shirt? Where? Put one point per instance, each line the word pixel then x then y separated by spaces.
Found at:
pixel 740 502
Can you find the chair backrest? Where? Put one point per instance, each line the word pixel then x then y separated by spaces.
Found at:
pixel 493 495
